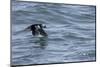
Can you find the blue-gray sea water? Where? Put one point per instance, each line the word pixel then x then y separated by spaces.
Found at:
pixel 70 29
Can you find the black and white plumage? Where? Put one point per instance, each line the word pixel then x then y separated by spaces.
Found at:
pixel 37 30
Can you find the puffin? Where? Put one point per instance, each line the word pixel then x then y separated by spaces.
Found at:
pixel 37 30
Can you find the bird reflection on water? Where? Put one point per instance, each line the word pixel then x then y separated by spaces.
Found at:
pixel 42 42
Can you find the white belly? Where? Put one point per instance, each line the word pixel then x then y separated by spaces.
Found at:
pixel 39 35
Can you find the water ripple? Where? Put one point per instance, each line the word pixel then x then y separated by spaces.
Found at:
pixel 70 29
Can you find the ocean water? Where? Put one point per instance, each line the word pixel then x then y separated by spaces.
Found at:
pixel 70 29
